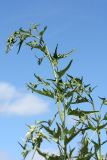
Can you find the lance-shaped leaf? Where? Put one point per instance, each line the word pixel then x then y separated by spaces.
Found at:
pixel 58 132
pixel 43 31
pixel 23 146
pixel 45 92
pixel 85 153
pixel 26 33
pixel 96 145
pixel 91 126
pixel 55 134
pixel 81 100
pixel 105 117
pixel 25 153
pixel 55 57
pixel 71 152
pixel 76 81
pixel 104 142
pixel 54 157
pixel 60 56
pixel 62 72
pixel 50 131
pixel 41 80
pixel 71 131
pixel 80 113
pixel 33 44
pixel 72 135
pixel 39 60
pixel 35 27
pixel 10 42
pixel 102 126
pixel 70 93
pixel 22 35
pixel 84 147
pixel 20 44
pixel 104 101
pixel 55 53
pixel 69 103
pixel 41 35
pixel 50 122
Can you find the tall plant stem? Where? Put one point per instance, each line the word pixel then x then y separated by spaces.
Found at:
pixel 99 141
pixel 62 116
pixel 64 127
pixel 56 78
pixel 98 132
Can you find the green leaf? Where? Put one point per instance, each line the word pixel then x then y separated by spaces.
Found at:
pixel 91 126
pixel 71 131
pixel 41 80
pixel 62 72
pixel 96 145
pixel 60 56
pixel 52 132
pixel 80 113
pixel 40 60
pixel 58 132
pixel 84 147
pixel 105 117
pixel 23 146
pixel 102 126
pixel 35 26
pixel 70 93
pixel 50 122
pixel 80 100
pixel 86 85
pixel 55 53
pixel 25 153
pixel 71 152
pixel 72 136
pixel 33 44
pixel 104 101
pixel 44 92
pixel 43 31
pixel 41 35
pixel 54 157
pixel 104 142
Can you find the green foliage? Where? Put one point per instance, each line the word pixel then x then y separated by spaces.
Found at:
pixel 67 92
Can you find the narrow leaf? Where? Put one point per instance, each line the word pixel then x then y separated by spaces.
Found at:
pixel 62 72
pixel 52 132
pixel 80 113
pixel 44 92
pixel 91 126
pixel 55 53
pixel 72 136
pixel 65 55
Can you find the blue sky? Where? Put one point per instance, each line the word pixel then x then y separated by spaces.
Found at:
pixel 72 24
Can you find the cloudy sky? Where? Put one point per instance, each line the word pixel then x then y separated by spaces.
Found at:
pixel 71 24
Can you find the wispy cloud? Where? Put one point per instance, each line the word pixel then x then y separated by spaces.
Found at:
pixel 13 101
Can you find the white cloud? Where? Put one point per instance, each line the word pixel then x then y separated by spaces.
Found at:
pixel 7 91
pixel 13 101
